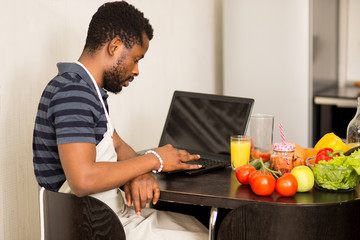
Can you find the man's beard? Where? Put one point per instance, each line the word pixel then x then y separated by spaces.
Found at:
pixel 114 78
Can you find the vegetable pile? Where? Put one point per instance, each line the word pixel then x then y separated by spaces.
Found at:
pixel 264 181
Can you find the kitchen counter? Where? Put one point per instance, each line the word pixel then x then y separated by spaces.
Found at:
pixel 333 109
pixel 338 96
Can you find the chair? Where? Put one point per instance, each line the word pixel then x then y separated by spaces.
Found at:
pixel 330 221
pixel 66 216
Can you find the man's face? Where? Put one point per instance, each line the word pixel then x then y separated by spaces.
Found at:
pixel 125 68
pixel 117 76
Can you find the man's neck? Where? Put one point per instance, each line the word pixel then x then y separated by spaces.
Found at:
pixel 93 66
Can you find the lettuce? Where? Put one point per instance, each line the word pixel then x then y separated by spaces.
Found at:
pixel 354 161
pixel 342 172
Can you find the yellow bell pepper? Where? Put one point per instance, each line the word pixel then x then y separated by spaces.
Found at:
pixel 330 140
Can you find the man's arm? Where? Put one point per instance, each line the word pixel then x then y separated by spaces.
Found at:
pixel 85 176
pixel 141 189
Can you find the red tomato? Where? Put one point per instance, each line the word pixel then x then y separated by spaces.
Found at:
pixel 257 173
pixel 243 172
pixel 286 185
pixel 263 185
pixel 256 154
pixel 265 156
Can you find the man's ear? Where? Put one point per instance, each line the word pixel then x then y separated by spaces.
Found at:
pixel 114 45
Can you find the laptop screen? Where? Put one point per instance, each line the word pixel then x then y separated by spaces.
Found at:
pixel 204 122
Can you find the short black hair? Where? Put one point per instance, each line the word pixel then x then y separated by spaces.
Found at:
pixel 117 19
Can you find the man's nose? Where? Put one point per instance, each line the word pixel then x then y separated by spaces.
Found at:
pixel 136 69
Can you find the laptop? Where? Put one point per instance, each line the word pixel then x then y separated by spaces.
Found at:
pixel 202 124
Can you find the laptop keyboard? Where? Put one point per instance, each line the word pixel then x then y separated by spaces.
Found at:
pixel 206 162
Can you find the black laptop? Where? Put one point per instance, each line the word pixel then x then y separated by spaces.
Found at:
pixel 202 124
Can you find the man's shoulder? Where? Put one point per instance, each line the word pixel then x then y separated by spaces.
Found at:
pixel 64 67
pixel 72 73
pixel 71 77
pixel 71 89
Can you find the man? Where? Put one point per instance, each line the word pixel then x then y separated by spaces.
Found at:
pixel 75 147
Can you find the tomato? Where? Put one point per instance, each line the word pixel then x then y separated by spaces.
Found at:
pixel 286 185
pixel 256 154
pixel 265 156
pixel 243 172
pixel 263 185
pixel 256 173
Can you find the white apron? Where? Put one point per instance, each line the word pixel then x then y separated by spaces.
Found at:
pixel 152 224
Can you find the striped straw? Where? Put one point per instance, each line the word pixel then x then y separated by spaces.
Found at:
pixel 282 133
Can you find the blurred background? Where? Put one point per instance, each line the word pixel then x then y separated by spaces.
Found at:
pixel 278 52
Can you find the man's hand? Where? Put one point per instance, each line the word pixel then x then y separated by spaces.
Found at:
pixel 141 190
pixel 174 159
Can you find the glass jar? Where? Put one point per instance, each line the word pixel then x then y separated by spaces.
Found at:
pixel 353 129
pixel 283 157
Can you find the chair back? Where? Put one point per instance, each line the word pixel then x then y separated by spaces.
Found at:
pixel 330 221
pixel 66 216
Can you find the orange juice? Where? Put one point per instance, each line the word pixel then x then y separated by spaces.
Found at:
pixel 240 153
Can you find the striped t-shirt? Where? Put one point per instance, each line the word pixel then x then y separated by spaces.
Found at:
pixel 69 111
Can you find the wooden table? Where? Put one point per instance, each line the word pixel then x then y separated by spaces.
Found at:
pixel 317 213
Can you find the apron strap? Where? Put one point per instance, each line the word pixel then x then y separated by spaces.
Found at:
pixel 99 95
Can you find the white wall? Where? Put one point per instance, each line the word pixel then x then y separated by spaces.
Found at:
pixel 266 57
pixel 185 54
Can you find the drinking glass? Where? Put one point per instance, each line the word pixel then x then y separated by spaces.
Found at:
pixel 261 128
pixel 240 150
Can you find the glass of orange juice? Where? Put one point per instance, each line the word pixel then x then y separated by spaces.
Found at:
pixel 240 150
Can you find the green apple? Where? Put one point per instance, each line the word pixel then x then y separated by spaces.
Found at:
pixel 304 177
